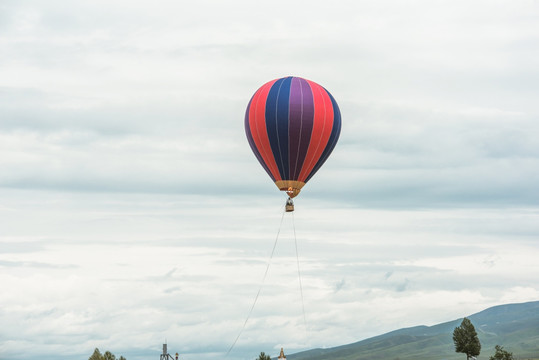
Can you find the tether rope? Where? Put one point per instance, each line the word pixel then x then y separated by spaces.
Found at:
pixel 299 277
pixel 261 285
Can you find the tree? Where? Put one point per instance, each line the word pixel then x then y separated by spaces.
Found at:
pixel 106 356
pixel 263 356
pixel 466 340
pixel 96 355
pixel 501 354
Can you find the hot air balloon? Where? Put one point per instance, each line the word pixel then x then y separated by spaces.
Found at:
pixel 292 125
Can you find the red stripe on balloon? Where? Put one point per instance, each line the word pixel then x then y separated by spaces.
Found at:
pixel 322 126
pixel 257 124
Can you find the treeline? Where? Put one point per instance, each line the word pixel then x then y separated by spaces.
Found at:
pixel 106 356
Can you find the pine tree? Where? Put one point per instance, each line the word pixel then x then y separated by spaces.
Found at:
pixel 501 354
pixel 466 340
pixel 109 356
pixel 263 356
pixel 96 355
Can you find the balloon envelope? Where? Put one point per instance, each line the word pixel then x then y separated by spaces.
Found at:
pixel 292 125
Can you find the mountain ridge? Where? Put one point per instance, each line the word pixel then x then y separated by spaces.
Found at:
pixel 513 326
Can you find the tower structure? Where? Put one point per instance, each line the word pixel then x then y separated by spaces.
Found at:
pixel 165 355
pixel 281 355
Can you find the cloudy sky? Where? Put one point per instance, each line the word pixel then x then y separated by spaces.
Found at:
pixel 133 212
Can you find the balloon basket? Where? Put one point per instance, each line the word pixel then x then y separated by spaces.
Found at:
pixel 289 205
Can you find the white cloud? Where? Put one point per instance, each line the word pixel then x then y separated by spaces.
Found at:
pixel 129 270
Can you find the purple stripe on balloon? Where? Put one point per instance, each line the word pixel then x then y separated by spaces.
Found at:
pixel 301 117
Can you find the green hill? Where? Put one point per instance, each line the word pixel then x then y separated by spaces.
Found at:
pixel 513 326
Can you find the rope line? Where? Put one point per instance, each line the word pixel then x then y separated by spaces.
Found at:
pixel 299 277
pixel 260 287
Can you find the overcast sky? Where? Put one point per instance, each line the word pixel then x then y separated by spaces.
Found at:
pixel 133 212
